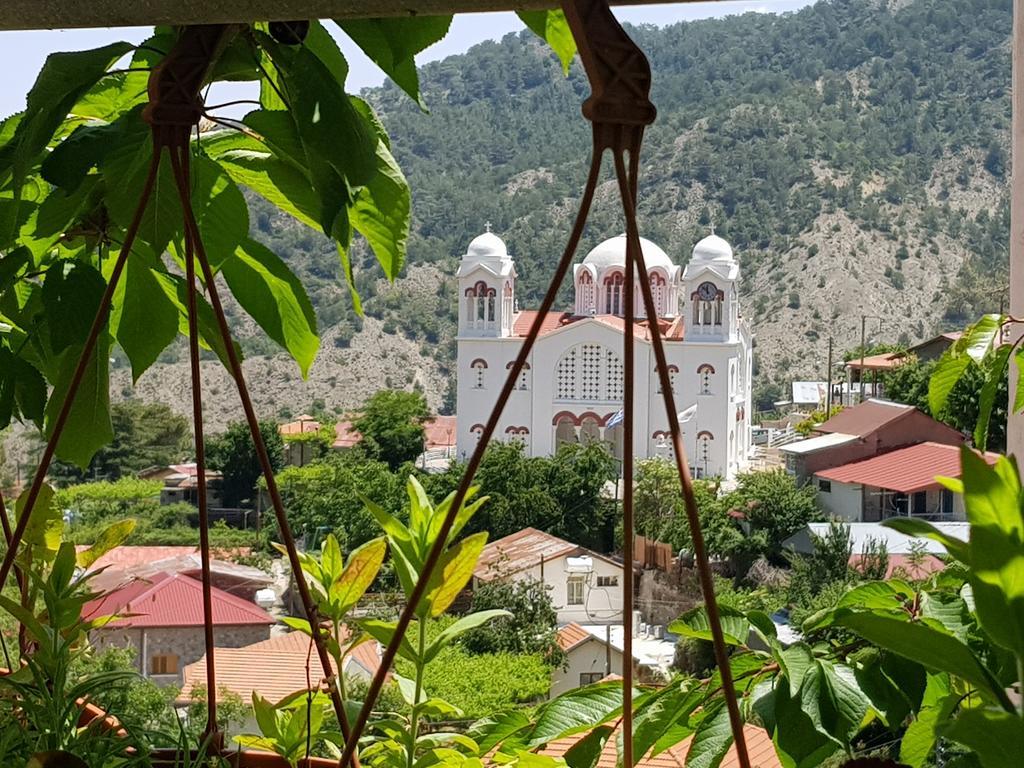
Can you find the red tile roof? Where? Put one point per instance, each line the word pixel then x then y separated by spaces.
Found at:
pixel 672 330
pixel 904 470
pixel 128 557
pixel 439 432
pixel 571 635
pixel 519 551
pixel 863 419
pixel 303 423
pixel 882 362
pixel 273 668
pixel 167 600
pixel 759 746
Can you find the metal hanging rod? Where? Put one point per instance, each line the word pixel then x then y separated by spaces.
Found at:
pixel 67 14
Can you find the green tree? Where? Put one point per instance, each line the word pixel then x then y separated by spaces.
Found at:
pixel 532 627
pixel 660 514
pixel 233 454
pixel 391 426
pixel 908 383
pixel 145 435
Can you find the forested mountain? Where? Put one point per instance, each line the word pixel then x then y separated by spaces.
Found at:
pixel 855 153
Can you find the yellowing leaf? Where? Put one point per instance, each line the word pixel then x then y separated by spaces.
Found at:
pixel 360 571
pixel 454 572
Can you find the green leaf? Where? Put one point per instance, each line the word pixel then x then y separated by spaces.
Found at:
pixel 659 713
pixel 383 631
pixel 996 737
pixel 587 751
pixel 576 711
pixel 992 498
pixel 143 318
pixel 71 296
pixel 363 564
pixel 878 595
pixel 552 27
pixel 695 623
pixel 1018 398
pixel 22 389
pixel 46 524
pixel 994 371
pixel 393 43
pixel 274 297
pixel 109 538
pixel 220 211
pixel 928 646
pixel 70 161
pixel 973 346
pixel 381 213
pixel 266 717
pixel 331 561
pixel 453 572
pixel 454 631
pixel 919 739
pixel 88 427
pixel 299 625
pixel 64 78
pixel 832 699
pixel 910 526
pixel 712 740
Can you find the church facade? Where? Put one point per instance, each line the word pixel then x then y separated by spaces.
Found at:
pixel 571 390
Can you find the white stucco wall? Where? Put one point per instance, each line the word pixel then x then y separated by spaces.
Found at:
pixel 601 605
pixel 590 656
pixel 842 502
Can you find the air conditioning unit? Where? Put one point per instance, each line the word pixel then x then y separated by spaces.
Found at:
pixel 657 631
pixel 265 598
pixel 579 565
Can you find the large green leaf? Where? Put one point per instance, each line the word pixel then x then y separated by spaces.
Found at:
pixel 453 572
pixel 926 645
pixel 381 213
pixel 209 333
pixel 973 346
pixel 995 372
pixel 88 426
pixel 46 524
pixel 552 26
pixel 220 211
pixel 992 498
pixel 363 564
pixel 712 739
pixel 587 751
pixel 110 537
pixel 143 318
pixel 922 528
pixel 919 739
pixel 660 712
pixel 69 162
pixel 71 296
pixel 832 700
pixel 275 298
pixel 576 711
pixel 64 78
pixel 394 42
pixel 696 623
pixel 996 737
pixel 22 389
pixel 454 631
pixel 384 631
pixel 798 742
pixel 497 729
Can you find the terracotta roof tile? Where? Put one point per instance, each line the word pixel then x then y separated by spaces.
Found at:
pixel 166 600
pixel 571 635
pixel 672 330
pixel 519 551
pixel 273 668
pixel 867 417
pixel 759 746
pixel 904 470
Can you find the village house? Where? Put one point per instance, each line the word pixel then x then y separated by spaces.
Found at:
pixel 594 651
pixel 869 429
pixel 162 619
pixel 181 484
pixel 899 483
pixel 438 437
pixel 584 586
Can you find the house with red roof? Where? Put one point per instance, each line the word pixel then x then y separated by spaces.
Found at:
pixel 584 586
pixel 899 483
pixel 161 617
pixel 594 651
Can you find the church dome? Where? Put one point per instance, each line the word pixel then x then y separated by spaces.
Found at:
pixel 713 248
pixel 486 246
pixel 612 253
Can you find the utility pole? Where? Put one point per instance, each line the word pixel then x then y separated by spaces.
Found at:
pixel 828 381
pixel 863 342
pixel 1015 421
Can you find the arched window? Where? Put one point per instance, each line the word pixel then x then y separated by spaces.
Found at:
pixel 478 366
pixel 672 371
pixel 585 293
pixel 707 304
pixel 613 293
pixel 479 303
pixel 704 374
pixel 589 372
pixel 658 291
pixel 524 375
pixel 476 431
pixel 590 428
pixel 565 429
pixel 704 440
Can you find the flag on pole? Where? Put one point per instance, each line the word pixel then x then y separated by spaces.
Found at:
pixel 688 414
pixel 616 419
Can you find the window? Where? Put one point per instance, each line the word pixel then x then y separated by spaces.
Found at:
pixel 585 293
pixel 589 372
pixel 704 450
pixel 825 486
pixel 478 366
pixel 613 293
pixel 574 590
pixel 658 291
pixel 524 375
pixel 163 664
pixel 607 581
pixel 587 678
pixel 704 374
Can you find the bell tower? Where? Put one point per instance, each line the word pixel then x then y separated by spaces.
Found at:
pixel 487 279
pixel 711 307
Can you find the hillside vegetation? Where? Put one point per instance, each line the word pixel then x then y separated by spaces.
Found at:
pixel 855 153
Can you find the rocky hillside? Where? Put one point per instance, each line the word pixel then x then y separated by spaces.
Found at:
pixel 855 153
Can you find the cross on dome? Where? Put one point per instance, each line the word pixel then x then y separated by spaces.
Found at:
pixel 487 226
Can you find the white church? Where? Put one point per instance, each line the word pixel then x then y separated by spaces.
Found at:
pixel 571 390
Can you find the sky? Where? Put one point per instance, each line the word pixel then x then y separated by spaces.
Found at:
pixel 22 53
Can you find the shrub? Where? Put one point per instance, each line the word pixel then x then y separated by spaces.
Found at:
pixel 532 628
